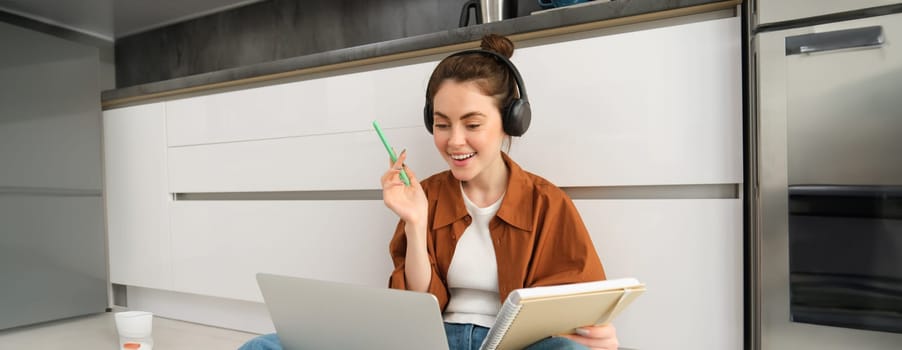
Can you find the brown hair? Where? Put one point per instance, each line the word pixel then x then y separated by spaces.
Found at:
pixel 494 78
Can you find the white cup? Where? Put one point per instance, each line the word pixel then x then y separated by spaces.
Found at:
pixel 135 328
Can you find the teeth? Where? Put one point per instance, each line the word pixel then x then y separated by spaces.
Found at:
pixel 462 156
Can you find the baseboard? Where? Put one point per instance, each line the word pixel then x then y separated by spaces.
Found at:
pixel 238 315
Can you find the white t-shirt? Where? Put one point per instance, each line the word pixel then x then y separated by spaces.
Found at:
pixel 473 274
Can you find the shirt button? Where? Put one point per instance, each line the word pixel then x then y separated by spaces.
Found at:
pixel 467 219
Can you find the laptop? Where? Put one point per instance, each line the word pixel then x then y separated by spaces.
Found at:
pixel 314 314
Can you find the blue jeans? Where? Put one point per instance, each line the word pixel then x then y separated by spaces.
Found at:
pixel 464 336
pixel 556 343
pixel 263 342
pixel 460 337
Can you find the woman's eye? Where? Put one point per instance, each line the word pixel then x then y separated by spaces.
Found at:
pixel 472 126
pixel 440 126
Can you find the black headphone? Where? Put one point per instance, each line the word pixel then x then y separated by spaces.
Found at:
pixel 515 117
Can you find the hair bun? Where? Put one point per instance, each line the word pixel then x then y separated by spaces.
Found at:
pixel 499 44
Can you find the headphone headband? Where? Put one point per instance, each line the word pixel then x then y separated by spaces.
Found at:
pixel 516 116
pixel 510 65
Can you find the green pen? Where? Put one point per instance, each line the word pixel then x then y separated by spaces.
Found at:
pixel 391 152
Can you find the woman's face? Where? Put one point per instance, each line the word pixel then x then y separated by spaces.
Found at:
pixel 467 130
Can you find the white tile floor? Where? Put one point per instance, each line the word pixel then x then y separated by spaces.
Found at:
pixel 98 331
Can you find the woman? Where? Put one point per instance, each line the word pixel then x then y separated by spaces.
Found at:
pixel 474 233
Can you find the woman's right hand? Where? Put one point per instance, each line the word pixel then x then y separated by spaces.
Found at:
pixel 408 202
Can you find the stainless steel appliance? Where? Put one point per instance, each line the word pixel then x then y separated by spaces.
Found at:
pixel 825 160
pixel 487 11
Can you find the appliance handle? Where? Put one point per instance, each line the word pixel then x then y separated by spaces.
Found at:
pixel 867 37
pixel 847 191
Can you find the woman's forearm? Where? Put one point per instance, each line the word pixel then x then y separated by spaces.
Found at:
pixel 417 269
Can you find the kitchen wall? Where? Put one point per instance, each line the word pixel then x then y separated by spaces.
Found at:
pixel 53 260
pixel 278 29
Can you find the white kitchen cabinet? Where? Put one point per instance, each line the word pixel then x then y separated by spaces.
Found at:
pixel 345 161
pixel 650 107
pixel 337 102
pixel 653 107
pixel 137 197
pixel 688 252
pixel 220 246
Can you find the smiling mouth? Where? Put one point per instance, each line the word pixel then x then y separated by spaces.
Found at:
pixel 463 156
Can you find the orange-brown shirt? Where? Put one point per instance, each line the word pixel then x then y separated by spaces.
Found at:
pixel 538 235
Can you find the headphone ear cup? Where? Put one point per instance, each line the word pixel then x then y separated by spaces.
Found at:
pixel 517 117
pixel 427 117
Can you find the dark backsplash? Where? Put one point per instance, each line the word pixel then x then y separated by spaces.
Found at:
pixel 278 29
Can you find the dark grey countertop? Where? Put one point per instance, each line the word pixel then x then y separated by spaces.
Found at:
pixel 563 17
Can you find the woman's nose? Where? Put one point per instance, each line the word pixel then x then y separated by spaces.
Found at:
pixel 457 137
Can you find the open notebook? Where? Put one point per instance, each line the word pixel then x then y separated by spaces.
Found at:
pixel 531 314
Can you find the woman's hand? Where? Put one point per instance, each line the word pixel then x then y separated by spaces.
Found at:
pixel 602 337
pixel 408 202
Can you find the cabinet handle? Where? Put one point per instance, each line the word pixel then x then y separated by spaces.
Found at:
pixel 836 40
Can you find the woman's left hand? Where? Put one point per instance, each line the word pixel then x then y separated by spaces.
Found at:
pixel 602 337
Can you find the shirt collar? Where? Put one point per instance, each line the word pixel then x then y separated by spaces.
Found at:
pixel 516 207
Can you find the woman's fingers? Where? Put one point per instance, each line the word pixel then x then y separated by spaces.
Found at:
pixel 592 343
pixel 604 331
pixel 596 337
pixel 390 177
pixel 410 173
pixel 398 163
pixel 394 172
